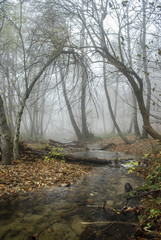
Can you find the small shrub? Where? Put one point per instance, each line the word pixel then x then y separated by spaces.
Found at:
pixel 55 153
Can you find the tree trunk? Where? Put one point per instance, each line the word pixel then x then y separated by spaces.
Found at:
pixel 134 117
pixel 102 45
pixel 139 96
pixel 22 105
pixel 74 124
pixel 131 126
pixel 85 132
pixel 110 109
pixel 115 107
pixel 143 45
pixel 5 136
pixel 136 125
pixel 103 118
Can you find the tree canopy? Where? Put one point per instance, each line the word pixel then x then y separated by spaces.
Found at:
pixel 75 55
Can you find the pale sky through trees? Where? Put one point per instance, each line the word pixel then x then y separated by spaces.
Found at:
pixel 36 30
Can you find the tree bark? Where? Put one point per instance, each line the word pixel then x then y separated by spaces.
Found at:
pixel 115 106
pixel 145 67
pixel 85 132
pixel 110 109
pixel 139 96
pixel 74 124
pixel 134 117
pixel 23 102
pixel 136 125
pixel 5 136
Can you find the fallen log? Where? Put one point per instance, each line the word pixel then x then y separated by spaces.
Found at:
pixel 74 144
pixel 91 160
pixel 34 153
pixel 71 158
pixel 108 146
pixel 86 160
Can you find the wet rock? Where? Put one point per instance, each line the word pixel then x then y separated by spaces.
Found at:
pixel 128 187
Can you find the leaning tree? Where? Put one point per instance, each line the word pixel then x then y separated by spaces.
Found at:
pixel 96 17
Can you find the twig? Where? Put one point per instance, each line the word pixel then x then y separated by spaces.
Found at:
pixel 36 235
pixel 150 233
pixel 144 194
pixel 109 222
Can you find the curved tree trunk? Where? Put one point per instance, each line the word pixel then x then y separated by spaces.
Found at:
pixel 110 109
pixel 139 96
pixel 22 105
pixel 74 124
pixel 5 136
pixel 102 45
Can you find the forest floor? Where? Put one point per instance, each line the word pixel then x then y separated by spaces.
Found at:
pixel 30 174
pixel 149 193
pixel 138 147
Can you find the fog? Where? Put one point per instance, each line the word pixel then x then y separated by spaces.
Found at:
pixel 72 70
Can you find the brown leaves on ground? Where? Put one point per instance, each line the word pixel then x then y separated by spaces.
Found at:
pixel 138 147
pixel 26 176
pixel 30 174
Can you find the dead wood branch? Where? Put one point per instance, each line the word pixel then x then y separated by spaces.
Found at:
pixel 74 144
pixel 144 194
pixel 109 222
pixel 108 146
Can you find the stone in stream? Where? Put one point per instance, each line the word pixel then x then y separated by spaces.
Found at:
pixel 128 187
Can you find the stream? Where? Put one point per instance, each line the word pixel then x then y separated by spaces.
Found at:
pixel 59 213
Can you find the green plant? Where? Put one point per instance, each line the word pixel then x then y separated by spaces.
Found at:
pixel 150 217
pixel 55 153
pixel 154 213
pixel 39 147
pixel 132 166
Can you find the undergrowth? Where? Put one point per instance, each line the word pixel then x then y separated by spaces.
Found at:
pixel 150 192
pixel 55 153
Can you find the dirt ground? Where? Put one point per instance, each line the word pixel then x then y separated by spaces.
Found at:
pixel 139 146
pixel 29 174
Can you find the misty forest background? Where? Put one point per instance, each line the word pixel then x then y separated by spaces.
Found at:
pixel 75 69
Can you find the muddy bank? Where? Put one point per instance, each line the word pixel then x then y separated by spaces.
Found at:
pixel 58 214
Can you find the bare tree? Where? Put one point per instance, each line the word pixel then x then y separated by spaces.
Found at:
pixel 24 99
pixel 116 102
pixel 37 51
pixel 93 17
pixel 73 121
pixel 145 66
pixel 134 120
pixel 110 108
pixel 5 134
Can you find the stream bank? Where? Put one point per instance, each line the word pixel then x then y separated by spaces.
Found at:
pixel 59 214
pixel 72 211
pixel 90 209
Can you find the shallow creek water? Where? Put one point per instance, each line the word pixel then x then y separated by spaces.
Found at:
pixel 57 214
